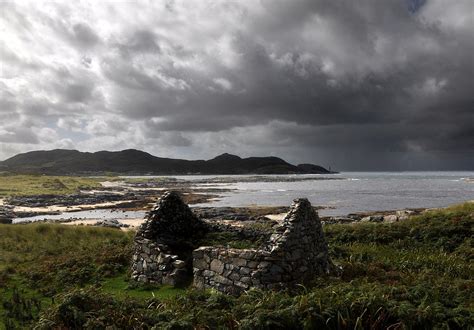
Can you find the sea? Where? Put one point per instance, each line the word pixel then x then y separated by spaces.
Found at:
pixel 350 192
pixel 338 194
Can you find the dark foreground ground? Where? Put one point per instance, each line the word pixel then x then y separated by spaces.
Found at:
pixel 415 274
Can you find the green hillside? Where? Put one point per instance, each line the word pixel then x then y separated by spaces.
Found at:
pixel 70 162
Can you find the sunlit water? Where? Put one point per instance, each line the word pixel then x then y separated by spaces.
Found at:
pixel 351 192
pixel 102 214
pixel 357 191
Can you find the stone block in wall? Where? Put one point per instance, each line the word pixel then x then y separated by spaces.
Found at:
pixel 217 266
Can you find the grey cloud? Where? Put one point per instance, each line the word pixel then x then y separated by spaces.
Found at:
pixel 18 135
pixel 84 35
pixel 175 139
pixel 78 92
pixel 8 100
pixel 369 78
pixel 141 41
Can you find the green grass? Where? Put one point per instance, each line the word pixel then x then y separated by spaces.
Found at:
pixel 120 287
pixel 228 239
pixel 415 274
pixel 39 262
pixel 26 185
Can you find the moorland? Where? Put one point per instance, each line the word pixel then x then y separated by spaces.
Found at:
pixel 415 273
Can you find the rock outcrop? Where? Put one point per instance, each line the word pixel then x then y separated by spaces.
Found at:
pixel 166 251
pixel 6 215
pixel 111 223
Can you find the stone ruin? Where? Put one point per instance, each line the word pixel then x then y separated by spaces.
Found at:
pixel 167 251
pixel 165 241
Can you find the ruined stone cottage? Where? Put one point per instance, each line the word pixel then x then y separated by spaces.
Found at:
pixel 167 251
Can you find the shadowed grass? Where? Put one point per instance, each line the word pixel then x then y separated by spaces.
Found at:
pixel 25 185
pixel 413 274
pixel 120 287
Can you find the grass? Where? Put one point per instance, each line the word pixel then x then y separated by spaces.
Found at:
pixel 228 239
pixel 27 185
pixel 120 287
pixel 415 274
pixel 39 262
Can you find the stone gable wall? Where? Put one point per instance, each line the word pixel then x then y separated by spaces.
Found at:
pixel 295 253
pixel 165 241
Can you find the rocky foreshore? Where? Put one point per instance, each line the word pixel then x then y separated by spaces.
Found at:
pixel 137 194
pixel 375 216
pixel 257 216
pixel 6 214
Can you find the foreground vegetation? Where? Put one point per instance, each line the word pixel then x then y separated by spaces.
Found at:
pixel 26 185
pixel 412 274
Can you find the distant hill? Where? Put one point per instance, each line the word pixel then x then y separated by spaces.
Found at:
pixel 134 162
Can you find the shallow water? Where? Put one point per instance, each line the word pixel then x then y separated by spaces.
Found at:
pixel 101 214
pixel 351 192
pixel 358 191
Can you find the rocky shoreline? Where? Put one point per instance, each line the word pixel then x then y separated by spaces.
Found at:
pixel 139 194
pixel 229 216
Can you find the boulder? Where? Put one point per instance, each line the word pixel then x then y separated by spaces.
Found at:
pixel 390 218
pixel 111 223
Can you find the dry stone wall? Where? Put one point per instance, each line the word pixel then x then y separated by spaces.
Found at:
pixel 165 241
pixel 295 253
pixel 167 252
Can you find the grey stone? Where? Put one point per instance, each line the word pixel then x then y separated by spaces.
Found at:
pixel 241 284
pixel 390 218
pixel 234 276
pixel 222 280
pixel 217 266
pixel 179 264
pixel 240 262
pixel 264 264
pixel 246 279
pixel 252 264
pixel 247 254
pixel 244 271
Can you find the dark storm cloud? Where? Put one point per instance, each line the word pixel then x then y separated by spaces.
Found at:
pixel 77 92
pixel 141 41
pixel 18 135
pixel 311 78
pixel 84 35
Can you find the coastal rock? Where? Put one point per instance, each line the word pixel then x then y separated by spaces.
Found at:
pixel 390 218
pixel 6 215
pixel 334 220
pixel 372 218
pixel 111 223
pixel 404 214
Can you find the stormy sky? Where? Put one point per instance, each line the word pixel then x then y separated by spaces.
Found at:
pixel 355 85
